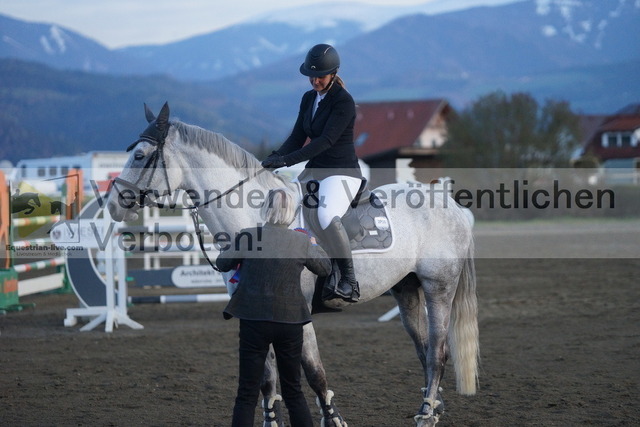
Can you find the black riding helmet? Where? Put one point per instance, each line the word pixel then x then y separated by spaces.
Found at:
pixel 321 60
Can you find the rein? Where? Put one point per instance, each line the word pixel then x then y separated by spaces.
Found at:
pixel 158 141
pixel 196 221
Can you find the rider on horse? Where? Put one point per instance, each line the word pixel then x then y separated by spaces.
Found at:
pixel 326 117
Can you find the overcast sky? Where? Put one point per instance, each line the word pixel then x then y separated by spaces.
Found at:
pixel 118 23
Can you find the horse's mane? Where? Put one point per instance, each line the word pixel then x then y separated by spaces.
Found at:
pixel 231 153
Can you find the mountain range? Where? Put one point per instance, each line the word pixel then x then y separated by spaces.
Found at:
pixel 244 80
pixel 260 41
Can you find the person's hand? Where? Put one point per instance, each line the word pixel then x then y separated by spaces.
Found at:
pixel 313 240
pixel 273 155
pixel 274 161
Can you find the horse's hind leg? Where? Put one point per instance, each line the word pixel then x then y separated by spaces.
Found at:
pixel 408 295
pixel 317 379
pixel 270 398
pixel 411 302
pixel 439 298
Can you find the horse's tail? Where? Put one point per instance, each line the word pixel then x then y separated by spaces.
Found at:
pixel 463 330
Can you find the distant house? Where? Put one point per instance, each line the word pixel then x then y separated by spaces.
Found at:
pixel 614 145
pixel 390 136
pixel 98 166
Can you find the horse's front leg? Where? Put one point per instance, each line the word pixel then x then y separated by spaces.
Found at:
pixel 271 400
pixel 317 379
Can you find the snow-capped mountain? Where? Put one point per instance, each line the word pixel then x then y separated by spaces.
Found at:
pixel 587 21
pixel 569 32
pixel 578 31
pixel 237 49
pixel 60 48
pixel 271 37
pixel 367 17
pixel 261 41
pixel 516 40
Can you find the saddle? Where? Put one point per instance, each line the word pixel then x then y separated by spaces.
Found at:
pixel 366 221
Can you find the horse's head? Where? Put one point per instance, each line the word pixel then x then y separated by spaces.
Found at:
pixel 147 175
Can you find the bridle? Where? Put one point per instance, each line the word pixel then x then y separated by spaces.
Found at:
pixel 156 136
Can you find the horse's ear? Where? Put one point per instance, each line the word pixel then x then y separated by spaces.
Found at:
pixel 148 114
pixel 163 117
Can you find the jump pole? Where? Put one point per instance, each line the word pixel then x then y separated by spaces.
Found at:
pixel 168 299
pixel 181 277
pixel 389 314
pixel 43 283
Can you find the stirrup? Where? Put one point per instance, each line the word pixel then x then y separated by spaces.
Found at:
pixel 330 293
pixel 355 293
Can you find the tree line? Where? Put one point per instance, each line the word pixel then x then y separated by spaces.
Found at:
pixel 512 131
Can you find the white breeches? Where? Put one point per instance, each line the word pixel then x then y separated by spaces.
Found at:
pixel 335 194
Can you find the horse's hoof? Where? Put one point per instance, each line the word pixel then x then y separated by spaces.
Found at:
pixel 439 410
pixel 430 410
pixel 330 415
pixel 428 421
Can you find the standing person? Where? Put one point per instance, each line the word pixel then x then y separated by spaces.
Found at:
pixel 326 117
pixel 270 305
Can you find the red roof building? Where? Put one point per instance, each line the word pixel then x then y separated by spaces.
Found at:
pixel 617 137
pixel 388 131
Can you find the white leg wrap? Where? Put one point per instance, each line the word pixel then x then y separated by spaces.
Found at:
pixel 336 421
pixel 268 410
pixel 432 405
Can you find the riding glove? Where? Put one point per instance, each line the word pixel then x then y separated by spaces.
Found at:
pixel 274 161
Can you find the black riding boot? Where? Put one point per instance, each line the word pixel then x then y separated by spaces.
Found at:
pixel 336 242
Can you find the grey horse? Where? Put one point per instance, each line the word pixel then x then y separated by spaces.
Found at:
pixel 430 264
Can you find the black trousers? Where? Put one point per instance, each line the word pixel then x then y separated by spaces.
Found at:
pixel 255 337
